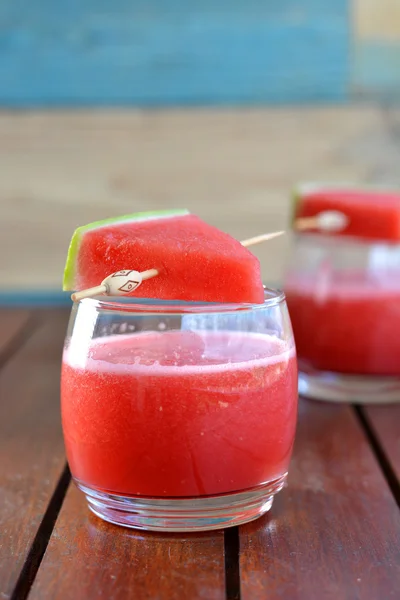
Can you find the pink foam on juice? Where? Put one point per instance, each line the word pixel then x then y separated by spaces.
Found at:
pixel 347 322
pixel 179 413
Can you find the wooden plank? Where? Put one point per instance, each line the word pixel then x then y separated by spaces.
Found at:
pixel 31 446
pixel 88 558
pixel 335 531
pixel 150 53
pixel 385 423
pixel 12 325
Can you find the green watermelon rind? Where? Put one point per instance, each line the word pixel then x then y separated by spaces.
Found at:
pixel 70 264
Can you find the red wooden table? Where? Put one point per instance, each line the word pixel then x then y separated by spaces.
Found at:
pixel 333 533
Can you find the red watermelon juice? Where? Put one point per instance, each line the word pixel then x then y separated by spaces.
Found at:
pixel 347 323
pixel 179 413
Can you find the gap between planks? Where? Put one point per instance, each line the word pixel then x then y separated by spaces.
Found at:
pixel 379 452
pixel 232 565
pixel 41 540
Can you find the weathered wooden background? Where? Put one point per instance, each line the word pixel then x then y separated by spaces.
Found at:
pixel 233 165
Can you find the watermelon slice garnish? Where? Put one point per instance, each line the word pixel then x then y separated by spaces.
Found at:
pixel 196 261
pixel 373 214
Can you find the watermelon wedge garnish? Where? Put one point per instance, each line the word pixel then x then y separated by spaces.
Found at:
pixel 196 261
pixel 373 213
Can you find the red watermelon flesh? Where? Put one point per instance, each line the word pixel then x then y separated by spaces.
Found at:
pixel 196 261
pixel 372 214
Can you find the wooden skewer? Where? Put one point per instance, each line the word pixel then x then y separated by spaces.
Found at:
pixel 264 237
pixel 126 281
pixel 328 220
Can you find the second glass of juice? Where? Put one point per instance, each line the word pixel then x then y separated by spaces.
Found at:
pixel 344 301
pixel 179 416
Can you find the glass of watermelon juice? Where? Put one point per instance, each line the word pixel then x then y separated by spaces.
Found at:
pixel 345 310
pixel 343 293
pixel 179 416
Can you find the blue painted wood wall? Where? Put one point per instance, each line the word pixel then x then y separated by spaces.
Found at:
pixel 176 52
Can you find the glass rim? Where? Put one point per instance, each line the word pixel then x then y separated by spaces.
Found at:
pixel 132 304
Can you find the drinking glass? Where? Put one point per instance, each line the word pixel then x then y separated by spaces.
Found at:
pixel 179 416
pixel 343 295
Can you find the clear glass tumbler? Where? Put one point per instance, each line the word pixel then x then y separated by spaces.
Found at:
pixel 343 295
pixel 179 416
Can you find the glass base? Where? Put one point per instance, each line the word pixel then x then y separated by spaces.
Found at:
pixel 359 389
pixel 189 514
